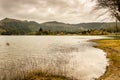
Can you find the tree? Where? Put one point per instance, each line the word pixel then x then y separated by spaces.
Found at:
pixel 112 5
pixel 40 30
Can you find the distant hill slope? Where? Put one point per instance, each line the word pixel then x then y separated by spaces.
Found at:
pixel 18 27
pixel 12 26
pixel 59 26
pixel 87 26
pixel 111 27
pixel 98 25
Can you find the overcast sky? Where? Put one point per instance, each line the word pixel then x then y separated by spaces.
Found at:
pixel 68 11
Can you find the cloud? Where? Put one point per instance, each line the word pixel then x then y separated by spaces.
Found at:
pixel 69 11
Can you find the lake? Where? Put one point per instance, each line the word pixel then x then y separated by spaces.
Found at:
pixel 70 56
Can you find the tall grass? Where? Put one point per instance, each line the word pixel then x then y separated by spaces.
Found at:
pixel 52 64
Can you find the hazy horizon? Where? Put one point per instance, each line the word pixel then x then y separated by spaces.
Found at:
pixel 57 21
pixel 72 12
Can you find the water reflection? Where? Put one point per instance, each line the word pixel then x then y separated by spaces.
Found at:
pixel 70 56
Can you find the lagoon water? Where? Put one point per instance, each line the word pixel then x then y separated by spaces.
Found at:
pixel 70 56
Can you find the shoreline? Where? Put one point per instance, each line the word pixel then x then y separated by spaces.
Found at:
pixel 112 49
pixel 112 71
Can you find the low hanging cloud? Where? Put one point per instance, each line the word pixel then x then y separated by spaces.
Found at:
pixel 69 11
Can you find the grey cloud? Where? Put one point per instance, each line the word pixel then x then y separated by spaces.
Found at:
pixel 71 11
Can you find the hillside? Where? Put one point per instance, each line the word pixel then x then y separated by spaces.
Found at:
pixel 14 27
pixel 97 25
pixel 59 26
pixel 87 26
pixel 17 27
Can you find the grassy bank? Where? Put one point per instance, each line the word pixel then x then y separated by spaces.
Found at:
pixel 43 76
pixel 112 48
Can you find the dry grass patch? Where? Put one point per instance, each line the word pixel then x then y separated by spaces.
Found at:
pixel 112 47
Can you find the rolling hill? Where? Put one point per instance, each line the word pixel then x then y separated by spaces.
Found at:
pixel 10 26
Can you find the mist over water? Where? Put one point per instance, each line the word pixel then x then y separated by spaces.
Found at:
pixel 70 56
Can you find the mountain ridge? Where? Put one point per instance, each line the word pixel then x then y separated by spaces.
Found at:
pixel 10 25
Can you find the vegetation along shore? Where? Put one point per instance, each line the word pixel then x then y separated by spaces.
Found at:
pixel 112 48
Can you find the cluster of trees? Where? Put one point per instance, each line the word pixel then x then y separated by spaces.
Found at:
pixel 95 32
pixel 48 32
pixel 88 32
